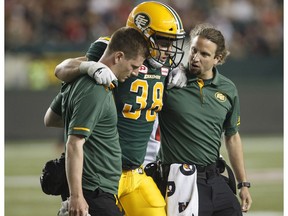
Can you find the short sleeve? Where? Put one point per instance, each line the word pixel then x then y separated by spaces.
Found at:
pixel 56 104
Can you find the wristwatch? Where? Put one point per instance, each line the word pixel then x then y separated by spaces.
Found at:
pixel 244 184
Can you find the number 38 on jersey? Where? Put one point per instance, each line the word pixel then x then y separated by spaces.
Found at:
pixel 148 100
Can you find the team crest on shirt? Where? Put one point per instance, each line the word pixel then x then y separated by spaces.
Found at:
pixel 164 71
pixel 143 69
pixel 220 97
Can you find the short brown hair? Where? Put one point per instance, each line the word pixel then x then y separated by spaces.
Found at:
pixel 129 41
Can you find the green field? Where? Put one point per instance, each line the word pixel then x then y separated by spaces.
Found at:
pixel 24 162
pixel 264 167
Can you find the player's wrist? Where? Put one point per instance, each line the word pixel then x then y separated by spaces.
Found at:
pixel 243 184
pixel 84 66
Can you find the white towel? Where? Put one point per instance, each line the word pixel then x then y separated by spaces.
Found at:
pixel 182 191
pixel 64 209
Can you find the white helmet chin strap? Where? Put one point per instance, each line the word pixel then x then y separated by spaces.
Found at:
pixel 155 64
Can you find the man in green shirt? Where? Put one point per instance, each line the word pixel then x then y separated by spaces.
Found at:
pixel 88 114
pixel 192 121
pixel 138 99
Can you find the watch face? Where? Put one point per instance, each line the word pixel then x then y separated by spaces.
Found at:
pixel 244 184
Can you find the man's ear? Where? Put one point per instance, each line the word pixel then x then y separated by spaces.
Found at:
pixel 217 59
pixel 118 56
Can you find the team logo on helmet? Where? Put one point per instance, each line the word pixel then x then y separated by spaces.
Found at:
pixel 142 21
pixel 220 97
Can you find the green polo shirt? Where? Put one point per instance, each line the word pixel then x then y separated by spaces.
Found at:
pixel 194 118
pixel 89 110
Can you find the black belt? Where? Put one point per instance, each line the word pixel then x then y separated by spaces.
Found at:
pixel 209 168
pixel 203 172
pixel 210 171
pixel 207 172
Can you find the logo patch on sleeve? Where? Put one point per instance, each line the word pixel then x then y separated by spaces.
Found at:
pixel 143 69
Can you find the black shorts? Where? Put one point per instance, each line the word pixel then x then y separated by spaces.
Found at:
pixel 101 203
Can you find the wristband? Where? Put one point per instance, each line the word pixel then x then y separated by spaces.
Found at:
pixel 84 66
pixel 244 184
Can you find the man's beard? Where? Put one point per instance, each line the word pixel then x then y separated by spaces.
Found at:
pixel 194 71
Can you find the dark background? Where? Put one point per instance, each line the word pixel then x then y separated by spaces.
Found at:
pixel 38 31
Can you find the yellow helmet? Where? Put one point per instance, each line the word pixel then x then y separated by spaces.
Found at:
pixel 159 21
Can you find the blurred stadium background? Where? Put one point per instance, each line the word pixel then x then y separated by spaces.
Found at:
pixel 40 34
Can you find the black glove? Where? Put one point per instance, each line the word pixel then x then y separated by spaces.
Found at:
pixel 53 178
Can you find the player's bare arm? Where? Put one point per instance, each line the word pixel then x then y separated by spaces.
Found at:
pixel 68 70
pixel 51 119
pixel 235 153
pixel 74 167
pixel 71 68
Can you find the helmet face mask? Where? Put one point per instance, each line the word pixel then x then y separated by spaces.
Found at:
pixel 166 51
pixel 159 22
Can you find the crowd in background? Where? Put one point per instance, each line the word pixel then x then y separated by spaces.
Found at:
pixel 250 26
